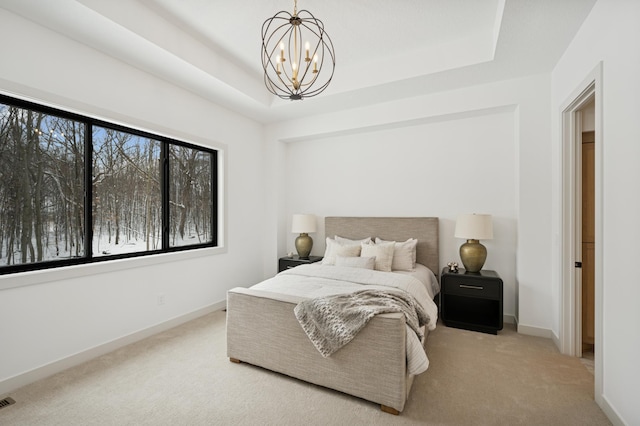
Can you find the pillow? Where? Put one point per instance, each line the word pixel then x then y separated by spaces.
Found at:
pixel 383 253
pixel 356 262
pixel 343 240
pixel 335 249
pixel 404 255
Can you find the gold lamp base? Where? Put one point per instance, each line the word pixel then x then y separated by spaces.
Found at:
pixel 473 254
pixel 304 243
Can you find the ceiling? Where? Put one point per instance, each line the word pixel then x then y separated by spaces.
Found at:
pixel 385 50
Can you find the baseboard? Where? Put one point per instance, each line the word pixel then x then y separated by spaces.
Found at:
pixel 609 411
pixel 509 319
pixel 15 382
pixel 535 331
pixel 556 340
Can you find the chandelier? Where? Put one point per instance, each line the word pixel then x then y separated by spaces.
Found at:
pixel 297 55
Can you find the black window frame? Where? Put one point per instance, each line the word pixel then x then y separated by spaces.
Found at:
pixel 165 141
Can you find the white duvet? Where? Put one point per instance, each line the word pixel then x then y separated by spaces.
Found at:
pixel 317 280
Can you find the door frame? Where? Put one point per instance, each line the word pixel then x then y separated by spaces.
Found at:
pixel 570 316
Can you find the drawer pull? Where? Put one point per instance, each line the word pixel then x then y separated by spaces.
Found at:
pixel 474 287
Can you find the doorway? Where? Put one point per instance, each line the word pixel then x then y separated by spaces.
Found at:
pixel 581 225
pixel 586 240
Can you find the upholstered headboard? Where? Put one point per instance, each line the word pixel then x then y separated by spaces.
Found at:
pixel 424 229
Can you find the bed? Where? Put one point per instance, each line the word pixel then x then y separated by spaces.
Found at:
pixel 262 329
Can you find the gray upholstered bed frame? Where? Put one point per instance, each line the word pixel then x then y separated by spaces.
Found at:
pixel 262 329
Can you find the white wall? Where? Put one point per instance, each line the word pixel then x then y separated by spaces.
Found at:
pixel 611 34
pixel 68 311
pixel 440 169
pixel 480 149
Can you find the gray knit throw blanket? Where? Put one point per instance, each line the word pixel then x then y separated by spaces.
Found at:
pixel 333 321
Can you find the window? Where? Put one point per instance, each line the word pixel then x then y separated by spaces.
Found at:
pixel 127 193
pixel 41 187
pixel 148 194
pixel 189 196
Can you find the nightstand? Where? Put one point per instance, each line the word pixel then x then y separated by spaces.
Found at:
pixel 289 262
pixel 472 301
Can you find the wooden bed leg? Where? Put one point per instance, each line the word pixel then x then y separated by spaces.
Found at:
pixel 389 410
pixel 236 360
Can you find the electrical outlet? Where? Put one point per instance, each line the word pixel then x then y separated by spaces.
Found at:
pixel 161 299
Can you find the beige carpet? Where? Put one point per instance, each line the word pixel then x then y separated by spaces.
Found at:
pixel 182 377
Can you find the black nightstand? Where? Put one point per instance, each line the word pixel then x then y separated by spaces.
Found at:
pixel 472 301
pixel 289 262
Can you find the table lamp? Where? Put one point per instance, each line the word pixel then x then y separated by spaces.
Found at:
pixel 304 224
pixel 473 227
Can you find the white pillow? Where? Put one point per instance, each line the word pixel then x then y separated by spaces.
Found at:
pixel 343 240
pixel 404 255
pixel 383 253
pixel 356 262
pixel 335 249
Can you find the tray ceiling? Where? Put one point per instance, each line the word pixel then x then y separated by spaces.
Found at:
pixel 385 50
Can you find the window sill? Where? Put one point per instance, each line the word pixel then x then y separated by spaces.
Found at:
pixel 58 274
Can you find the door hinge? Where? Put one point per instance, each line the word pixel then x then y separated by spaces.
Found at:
pixel 578 264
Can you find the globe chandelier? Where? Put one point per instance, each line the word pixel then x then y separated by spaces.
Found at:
pixel 297 55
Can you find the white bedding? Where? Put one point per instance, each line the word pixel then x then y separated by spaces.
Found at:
pixel 317 280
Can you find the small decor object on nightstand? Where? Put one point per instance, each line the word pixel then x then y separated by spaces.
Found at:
pixel 303 224
pixel 453 267
pixel 473 227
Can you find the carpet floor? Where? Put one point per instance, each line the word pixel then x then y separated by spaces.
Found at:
pixel 183 377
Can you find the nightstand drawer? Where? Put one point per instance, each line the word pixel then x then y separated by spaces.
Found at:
pixel 473 288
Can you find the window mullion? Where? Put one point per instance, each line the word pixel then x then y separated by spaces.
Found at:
pixel 214 197
pixel 88 190
pixel 165 177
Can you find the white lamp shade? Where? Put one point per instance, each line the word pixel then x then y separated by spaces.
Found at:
pixel 303 223
pixel 474 227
